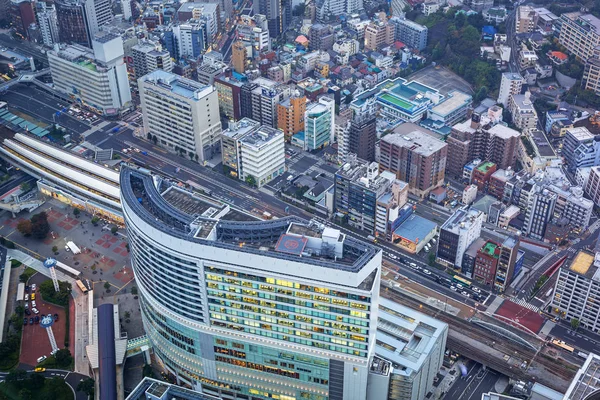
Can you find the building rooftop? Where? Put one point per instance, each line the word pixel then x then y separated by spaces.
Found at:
pixel 512 76
pixel 461 219
pixel 260 137
pixel 229 229
pixel 366 175
pixel 415 228
pixel 238 129
pixel 455 100
pixel 474 247
pixel 415 138
pixel 583 264
pixel 586 381
pixel 406 337
pixel 177 84
pixel 164 390
pixel 580 133
pixel 523 102
pixel 503 132
pixel 490 249
pixel 205 7
pixel 485 167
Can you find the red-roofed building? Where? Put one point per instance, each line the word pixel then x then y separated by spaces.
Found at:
pixel 399 45
pixel 557 57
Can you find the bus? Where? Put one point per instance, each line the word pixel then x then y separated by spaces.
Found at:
pixel 81 286
pixel 73 273
pixel 462 281
pixel 562 345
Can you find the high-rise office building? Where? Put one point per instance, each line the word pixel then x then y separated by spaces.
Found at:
pixel 182 114
pixel 97 78
pixel 259 100
pixel 278 14
pixel 290 115
pixel 506 271
pixel 457 234
pixel 229 91
pixel 238 57
pixel 362 136
pixel 80 20
pixel 148 57
pixel 359 187
pixel 22 15
pixel 190 39
pixel 317 126
pixel 415 157
pixel 46 16
pixel 253 309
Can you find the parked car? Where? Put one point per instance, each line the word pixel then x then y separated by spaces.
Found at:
pixel 26 297
pixel 27 312
pixel 37 319
pixel 31 321
pixel 24 321
pixel 32 296
pixel 35 310
pixel 56 317
pixel 33 304
pixel 39 369
pixel 33 287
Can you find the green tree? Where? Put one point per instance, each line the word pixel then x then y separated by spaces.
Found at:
pixel 250 180
pixel 25 187
pixel 148 371
pixel 76 212
pixel 95 219
pixel 191 154
pixel 36 380
pixel 154 139
pixel 16 375
pixel 63 358
pixel 574 323
pixel 149 136
pixel 106 286
pixel 114 230
pixel 25 394
pixel 54 249
pixel 86 386
pixel 61 297
pixel 20 310
pixel 134 291
pixel 127 315
pixel 25 227
pixel 40 227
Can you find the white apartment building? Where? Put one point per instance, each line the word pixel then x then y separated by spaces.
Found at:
pixel 97 13
pixel 252 152
pixel 126 9
pixel 46 17
pixel 526 19
pixel 342 132
pixel 510 84
pixel 469 194
pixel 580 34
pixel 97 78
pixel 577 289
pixel 347 46
pixel 523 113
pixel 262 155
pixel 571 204
pixel 182 114
pixel 592 185
pixel 457 234
pixel 148 57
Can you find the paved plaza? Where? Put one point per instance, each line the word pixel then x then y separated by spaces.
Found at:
pixel 103 257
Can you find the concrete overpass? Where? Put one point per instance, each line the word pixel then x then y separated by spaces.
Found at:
pixel 25 78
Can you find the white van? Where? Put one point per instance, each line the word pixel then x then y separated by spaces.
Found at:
pixel 42 358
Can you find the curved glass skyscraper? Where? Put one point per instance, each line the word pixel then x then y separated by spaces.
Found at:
pixel 240 308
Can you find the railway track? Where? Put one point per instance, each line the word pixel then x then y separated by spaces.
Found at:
pixel 540 367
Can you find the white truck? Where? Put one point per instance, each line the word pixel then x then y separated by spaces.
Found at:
pixel 73 247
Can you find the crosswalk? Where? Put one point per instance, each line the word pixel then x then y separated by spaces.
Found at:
pixel 525 304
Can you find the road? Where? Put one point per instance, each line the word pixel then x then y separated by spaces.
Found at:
pixel 41 105
pixel 25 48
pixel 479 380
pixel 71 378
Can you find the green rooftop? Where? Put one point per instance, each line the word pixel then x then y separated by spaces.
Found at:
pixel 396 101
pixel 490 249
pixel 485 167
pixel 87 64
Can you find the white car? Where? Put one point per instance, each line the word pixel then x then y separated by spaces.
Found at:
pixel 35 310
pixel 465 294
pixel 26 297
pixel 426 272
pixel 67 248
pixel 393 257
pixel 33 287
pixel 33 304
pixel 453 288
pixel 476 290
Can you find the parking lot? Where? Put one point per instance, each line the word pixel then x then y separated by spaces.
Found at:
pixel 35 342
